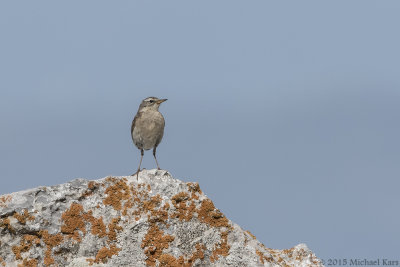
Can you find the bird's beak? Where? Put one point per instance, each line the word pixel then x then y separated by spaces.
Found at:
pixel 161 100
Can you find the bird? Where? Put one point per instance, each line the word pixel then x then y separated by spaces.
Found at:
pixel 147 128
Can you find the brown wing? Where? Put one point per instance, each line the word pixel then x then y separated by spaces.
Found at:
pixel 158 141
pixel 134 121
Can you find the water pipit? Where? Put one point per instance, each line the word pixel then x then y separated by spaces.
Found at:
pixel 148 128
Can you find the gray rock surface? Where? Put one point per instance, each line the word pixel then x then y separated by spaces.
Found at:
pixel 118 221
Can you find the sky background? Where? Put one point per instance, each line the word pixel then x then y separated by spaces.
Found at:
pixel 286 112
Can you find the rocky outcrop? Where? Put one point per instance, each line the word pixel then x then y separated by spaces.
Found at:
pixel 119 221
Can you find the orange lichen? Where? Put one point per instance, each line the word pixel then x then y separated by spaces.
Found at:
pixel 142 201
pixel 288 252
pixel 2 262
pixel 117 192
pixel 98 227
pixel 253 236
pixel 28 263
pixel 22 218
pixel 264 258
pixel 113 228
pixel 4 199
pixel 184 210
pixel 276 256
pixel 75 218
pixel 131 202
pixel 73 221
pixel 50 241
pixel 104 254
pixel 152 203
pixel 154 243
pixel 198 254
pixel 261 255
pixel 144 204
pixel 159 215
pixel 182 196
pixel 128 205
pixel 92 185
pixel 210 215
pixel 194 188
pixel 168 260
pixel 25 244
pixel 222 249
pixel 5 223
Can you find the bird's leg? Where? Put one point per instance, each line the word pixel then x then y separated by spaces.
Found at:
pixel 154 154
pixel 140 163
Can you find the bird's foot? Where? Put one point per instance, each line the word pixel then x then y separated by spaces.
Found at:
pixel 136 173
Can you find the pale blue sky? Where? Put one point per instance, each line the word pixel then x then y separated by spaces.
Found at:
pixel 285 112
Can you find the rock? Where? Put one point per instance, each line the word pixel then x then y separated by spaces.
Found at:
pixel 118 221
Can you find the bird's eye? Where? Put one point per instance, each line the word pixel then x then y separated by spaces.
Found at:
pixel 151 101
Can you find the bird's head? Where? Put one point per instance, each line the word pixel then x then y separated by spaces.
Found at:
pixel 152 103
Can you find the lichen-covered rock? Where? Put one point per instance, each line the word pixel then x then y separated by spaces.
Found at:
pixel 119 221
